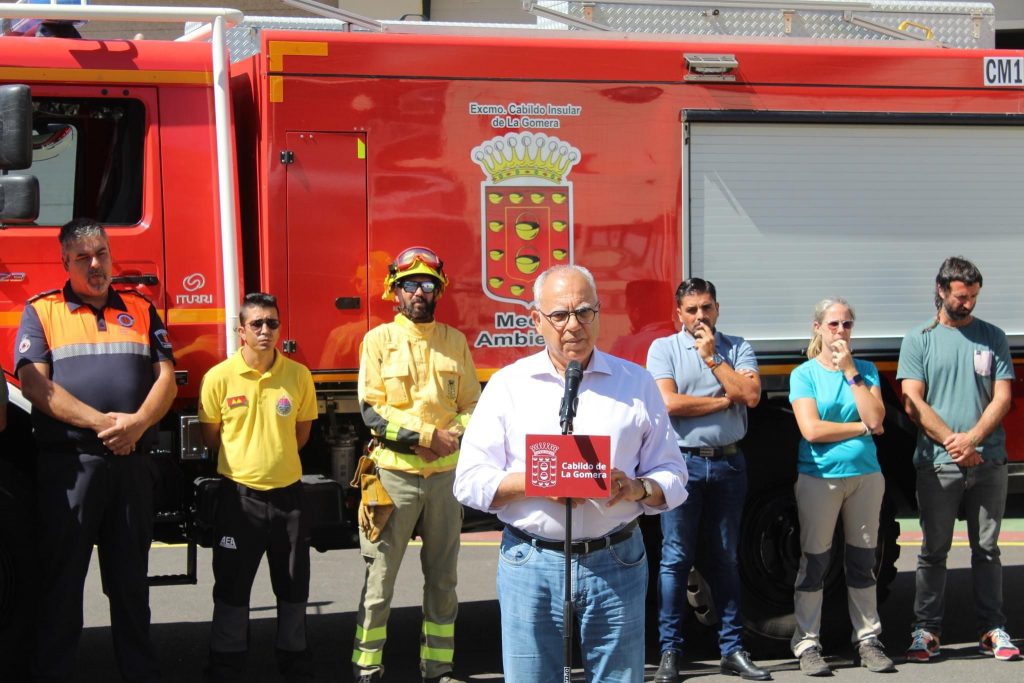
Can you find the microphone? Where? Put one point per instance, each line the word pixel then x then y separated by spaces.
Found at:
pixel 573 377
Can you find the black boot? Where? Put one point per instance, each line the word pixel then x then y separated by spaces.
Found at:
pixel 295 666
pixel 739 664
pixel 224 667
pixel 668 670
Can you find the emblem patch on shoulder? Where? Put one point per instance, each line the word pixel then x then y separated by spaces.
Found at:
pixel 284 406
pixel 125 320
pixel 25 345
pixel 237 401
pixel 162 338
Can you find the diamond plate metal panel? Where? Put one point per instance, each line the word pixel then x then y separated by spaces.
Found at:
pixel 244 40
pixel 960 24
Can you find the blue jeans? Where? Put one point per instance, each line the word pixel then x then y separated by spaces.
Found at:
pixel 609 587
pixel 941 489
pixel 717 489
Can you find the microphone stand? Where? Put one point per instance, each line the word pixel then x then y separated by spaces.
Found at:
pixel 568 616
pixel 566 413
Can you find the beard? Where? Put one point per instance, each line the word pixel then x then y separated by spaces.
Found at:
pixel 955 314
pixel 419 310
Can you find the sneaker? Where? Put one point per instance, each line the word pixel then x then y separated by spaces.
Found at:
pixel 998 644
pixel 813 664
pixel 923 646
pixel 872 656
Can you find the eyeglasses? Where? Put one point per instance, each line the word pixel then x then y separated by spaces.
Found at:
pixel 257 325
pixel 408 258
pixel 834 324
pixel 584 315
pixel 411 286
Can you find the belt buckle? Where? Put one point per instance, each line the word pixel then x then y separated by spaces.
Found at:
pixel 586 548
pixel 706 451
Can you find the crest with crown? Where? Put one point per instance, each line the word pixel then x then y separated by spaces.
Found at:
pixel 526 211
pixel 525 156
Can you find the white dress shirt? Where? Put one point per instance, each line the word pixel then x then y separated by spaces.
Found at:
pixel 617 398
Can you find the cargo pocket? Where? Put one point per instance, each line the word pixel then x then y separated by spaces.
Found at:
pixel 396 383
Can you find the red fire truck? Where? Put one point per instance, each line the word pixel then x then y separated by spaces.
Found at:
pixel 783 169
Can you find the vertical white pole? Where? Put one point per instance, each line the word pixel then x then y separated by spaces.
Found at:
pixel 225 185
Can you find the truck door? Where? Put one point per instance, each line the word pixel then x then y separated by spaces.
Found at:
pixel 95 153
pixel 327 310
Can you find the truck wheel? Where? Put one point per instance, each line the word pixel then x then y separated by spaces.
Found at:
pixel 769 558
pixel 16 571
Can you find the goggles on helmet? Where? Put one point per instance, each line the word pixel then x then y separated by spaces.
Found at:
pixel 408 258
pixel 415 261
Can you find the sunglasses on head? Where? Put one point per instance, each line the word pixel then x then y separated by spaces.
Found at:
pixel 257 325
pixel 834 324
pixel 411 286
pixel 408 258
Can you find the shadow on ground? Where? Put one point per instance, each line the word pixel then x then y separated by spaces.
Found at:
pixel 182 646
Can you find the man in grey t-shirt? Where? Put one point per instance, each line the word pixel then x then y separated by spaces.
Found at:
pixel 956 374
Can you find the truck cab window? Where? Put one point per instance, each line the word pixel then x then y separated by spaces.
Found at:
pixel 87 154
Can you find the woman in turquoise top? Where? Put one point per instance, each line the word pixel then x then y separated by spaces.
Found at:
pixel 838 406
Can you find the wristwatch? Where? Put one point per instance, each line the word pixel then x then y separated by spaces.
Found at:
pixel 648 489
pixel 715 361
pixel 856 379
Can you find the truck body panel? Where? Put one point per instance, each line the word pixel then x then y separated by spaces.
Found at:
pixel 782 170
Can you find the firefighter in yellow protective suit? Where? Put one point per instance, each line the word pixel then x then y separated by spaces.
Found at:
pixel 417 388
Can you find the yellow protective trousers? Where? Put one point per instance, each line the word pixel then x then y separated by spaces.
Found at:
pixel 427 506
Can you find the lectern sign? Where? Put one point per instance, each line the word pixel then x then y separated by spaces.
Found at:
pixel 568 466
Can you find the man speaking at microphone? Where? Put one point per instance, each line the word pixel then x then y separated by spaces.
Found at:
pixel 618 399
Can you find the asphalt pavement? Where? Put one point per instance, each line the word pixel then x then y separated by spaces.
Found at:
pixel 181 625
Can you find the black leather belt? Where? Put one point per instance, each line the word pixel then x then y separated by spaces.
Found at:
pixel 710 452
pixel 579 547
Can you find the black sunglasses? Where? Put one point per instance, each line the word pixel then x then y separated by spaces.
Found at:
pixel 410 286
pixel 257 325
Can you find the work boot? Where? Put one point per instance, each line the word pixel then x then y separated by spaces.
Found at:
pixel 668 670
pixel 813 664
pixel 872 656
pixel 738 664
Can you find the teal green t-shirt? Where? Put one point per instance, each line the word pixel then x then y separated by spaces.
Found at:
pixel 834 397
pixel 959 367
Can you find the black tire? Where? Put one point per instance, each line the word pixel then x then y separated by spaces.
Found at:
pixel 769 551
pixel 770 558
pixel 16 571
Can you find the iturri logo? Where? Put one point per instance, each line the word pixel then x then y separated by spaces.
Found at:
pixel 193 282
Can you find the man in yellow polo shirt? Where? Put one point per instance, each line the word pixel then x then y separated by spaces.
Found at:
pixel 417 387
pixel 257 407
